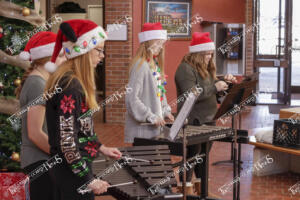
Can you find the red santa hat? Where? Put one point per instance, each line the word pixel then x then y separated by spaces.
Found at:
pixel 41 45
pixel 152 31
pixel 76 37
pixel 201 42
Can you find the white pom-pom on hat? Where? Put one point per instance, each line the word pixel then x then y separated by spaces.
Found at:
pixel 50 67
pixel 24 55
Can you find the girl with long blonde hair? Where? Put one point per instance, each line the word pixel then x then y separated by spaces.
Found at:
pixel 71 136
pixel 147 102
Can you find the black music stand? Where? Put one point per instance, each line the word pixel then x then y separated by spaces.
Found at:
pixel 238 94
pixel 180 123
pixel 245 89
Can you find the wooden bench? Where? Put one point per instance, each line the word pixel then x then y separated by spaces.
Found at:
pixel 285 159
pixel 252 140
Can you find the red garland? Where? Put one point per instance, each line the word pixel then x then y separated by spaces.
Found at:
pixel 67 104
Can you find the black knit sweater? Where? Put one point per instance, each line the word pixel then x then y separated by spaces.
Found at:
pixel 71 138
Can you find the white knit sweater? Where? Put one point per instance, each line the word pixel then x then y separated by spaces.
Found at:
pixel 143 104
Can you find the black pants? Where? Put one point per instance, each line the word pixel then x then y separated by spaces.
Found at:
pixel 191 152
pixel 41 187
pixel 68 183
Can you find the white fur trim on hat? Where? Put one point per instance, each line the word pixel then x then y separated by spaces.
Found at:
pixel 152 35
pixel 42 51
pixel 24 55
pixel 50 67
pixel 90 37
pixel 202 47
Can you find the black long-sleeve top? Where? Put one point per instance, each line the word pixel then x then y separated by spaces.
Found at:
pixel 73 139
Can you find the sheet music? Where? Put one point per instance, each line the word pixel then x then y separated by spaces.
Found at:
pixel 183 114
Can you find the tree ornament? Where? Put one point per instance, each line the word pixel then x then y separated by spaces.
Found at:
pixel 17 82
pixel 1 32
pixel 1 86
pixel 16 41
pixel 15 156
pixel 8 52
pixel 25 12
pixel 8 30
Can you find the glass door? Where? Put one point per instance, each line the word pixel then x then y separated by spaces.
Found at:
pixel 271 51
pixel 295 53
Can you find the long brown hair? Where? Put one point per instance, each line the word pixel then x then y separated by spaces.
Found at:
pixel 197 61
pixel 145 54
pixel 35 64
pixel 82 69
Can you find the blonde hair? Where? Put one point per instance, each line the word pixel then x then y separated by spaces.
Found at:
pixel 34 64
pixel 82 69
pixel 197 61
pixel 144 54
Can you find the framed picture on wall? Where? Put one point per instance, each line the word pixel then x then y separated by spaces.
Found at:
pixel 174 15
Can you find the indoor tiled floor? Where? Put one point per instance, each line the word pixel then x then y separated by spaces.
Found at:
pixel 274 187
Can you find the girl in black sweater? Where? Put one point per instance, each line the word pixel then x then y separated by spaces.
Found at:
pixel 71 136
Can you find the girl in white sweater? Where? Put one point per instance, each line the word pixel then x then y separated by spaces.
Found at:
pixel 147 102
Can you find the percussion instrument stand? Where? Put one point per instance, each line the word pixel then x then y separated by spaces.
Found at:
pixel 238 94
pixel 239 146
pixel 234 193
pixel 184 142
pixel 203 186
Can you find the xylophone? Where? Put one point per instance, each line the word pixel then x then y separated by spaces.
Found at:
pixel 148 166
pixel 194 135
pixel 199 134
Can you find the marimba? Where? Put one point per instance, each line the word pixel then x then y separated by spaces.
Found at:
pixel 194 135
pixel 147 167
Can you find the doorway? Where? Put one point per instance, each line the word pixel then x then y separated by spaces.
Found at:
pixel 273 52
pixel 295 55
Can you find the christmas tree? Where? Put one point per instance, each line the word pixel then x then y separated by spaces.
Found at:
pixel 17 21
